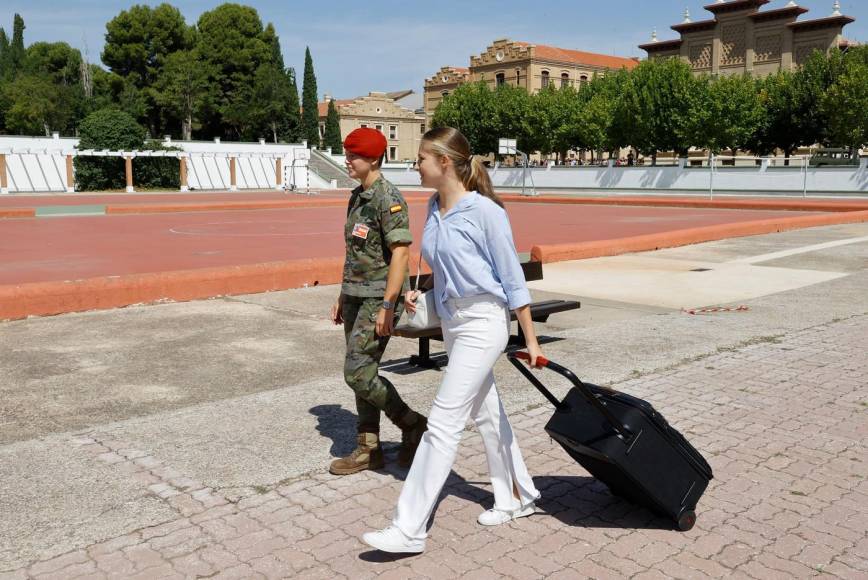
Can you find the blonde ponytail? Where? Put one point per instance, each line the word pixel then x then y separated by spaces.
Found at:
pixel 480 181
pixel 449 142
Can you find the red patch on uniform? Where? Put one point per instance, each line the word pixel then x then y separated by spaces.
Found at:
pixel 361 231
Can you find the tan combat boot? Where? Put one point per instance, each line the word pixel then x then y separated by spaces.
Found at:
pixel 411 435
pixel 368 455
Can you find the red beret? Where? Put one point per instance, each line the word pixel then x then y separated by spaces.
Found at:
pixel 366 143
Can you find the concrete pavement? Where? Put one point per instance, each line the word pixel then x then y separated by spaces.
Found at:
pixel 185 440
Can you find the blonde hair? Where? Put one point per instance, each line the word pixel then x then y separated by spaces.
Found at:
pixel 449 142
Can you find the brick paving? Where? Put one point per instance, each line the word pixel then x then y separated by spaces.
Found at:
pixel 782 422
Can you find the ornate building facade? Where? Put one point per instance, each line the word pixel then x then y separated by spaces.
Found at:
pixel 521 64
pixel 741 38
pixel 402 127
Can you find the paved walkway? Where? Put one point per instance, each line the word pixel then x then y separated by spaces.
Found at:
pixel 781 420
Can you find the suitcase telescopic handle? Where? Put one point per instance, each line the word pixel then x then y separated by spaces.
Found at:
pixel 541 362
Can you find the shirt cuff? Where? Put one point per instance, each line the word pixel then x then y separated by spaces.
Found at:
pixel 399 236
pixel 518 298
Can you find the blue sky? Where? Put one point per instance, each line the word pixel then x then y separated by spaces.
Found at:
pixel 387 45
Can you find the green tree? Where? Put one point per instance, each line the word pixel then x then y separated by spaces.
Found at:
pixel 552 115
pixel 138 43
pixel 598 127
pixel 233 43
pixel 332 136
pixel 812 81
pixel 5 67
pixel 36 106
pixel 309 103
pixel 845 105
pixel 471 109
pixel 292 130
pixel 106 129
pixel 512 107
pixel 16 48
pixel 275 100
pixel 185 89
pixel 778 128
pixel 727 113
pixel 657 106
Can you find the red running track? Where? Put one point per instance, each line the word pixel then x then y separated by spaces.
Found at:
pixel 73 248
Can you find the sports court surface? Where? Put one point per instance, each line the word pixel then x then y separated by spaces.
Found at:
pixel 102 244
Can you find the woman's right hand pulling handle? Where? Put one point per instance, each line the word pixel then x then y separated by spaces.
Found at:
pixel 410 298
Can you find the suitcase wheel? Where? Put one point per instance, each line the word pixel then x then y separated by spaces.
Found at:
pixel 686 520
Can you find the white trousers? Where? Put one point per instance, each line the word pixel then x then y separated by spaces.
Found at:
pixel 474 339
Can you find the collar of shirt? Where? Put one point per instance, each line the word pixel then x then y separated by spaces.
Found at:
pixel 368 193
pixel 466 203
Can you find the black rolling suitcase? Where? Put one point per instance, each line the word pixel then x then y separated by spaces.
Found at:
pixel 626 444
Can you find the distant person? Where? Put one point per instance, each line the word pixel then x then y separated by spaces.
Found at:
pixel 630 159
pixel 377 236
pixel 477 281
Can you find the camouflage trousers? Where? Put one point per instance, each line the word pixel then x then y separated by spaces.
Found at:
pixel 361 365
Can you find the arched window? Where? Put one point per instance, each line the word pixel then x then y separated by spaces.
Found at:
pixel 444 94
pixel 583 79
pixel 565 80
pixel 499 79
pixel 545 78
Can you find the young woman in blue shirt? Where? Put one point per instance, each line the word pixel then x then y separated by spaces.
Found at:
pixel 478 279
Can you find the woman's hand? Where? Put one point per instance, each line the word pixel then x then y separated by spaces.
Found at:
pixel 410 297
pixel 384 322
pixel 534 351
pixel 336 315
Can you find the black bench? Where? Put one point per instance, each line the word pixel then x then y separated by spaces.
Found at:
pixel 539 312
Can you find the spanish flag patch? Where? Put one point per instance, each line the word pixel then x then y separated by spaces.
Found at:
pixel 395 208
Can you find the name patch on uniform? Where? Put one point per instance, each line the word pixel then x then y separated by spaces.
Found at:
pixel 395 208
pixel 361 231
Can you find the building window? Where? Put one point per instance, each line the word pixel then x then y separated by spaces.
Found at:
pixel 565 80
pixel 445 94
pixel 545 78
pixel 322 130
pixel 392 153
pixel 378 128
pixel 499 79
pixel 364 126
pixel 422 129
pixel 517 77
pixel 583 79
pixel 393 131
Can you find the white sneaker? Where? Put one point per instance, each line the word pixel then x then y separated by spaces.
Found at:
pixel 393 540
pixel 495 517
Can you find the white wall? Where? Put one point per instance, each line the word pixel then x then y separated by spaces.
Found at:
pixel 730 179
pixel 39 163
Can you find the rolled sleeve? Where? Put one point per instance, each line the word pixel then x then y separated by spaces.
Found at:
pixel 501 246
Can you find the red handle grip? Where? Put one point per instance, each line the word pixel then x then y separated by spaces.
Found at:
pixel 541 361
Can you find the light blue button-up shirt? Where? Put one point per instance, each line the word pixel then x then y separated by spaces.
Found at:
pixel 471 252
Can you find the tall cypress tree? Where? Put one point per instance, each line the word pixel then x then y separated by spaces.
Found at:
pixel 310 109
pixel 293 110
pixel 16 50
pixel 333 130
pixel 4 54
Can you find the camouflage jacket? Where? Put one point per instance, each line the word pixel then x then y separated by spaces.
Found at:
pixel 377 218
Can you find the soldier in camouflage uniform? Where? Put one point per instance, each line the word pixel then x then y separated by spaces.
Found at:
pixel 377 234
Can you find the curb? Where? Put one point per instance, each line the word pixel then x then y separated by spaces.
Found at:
pixel 764 204
pixel 600 248
pixel 49 298
pixel 18 212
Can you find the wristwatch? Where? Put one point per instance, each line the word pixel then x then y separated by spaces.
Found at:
pixel 388 305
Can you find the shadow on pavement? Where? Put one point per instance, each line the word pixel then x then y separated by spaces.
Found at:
pixel 586 502
pixel 339 425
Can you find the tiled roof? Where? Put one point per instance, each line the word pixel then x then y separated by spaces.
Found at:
pixel 324 106
pixel 556 54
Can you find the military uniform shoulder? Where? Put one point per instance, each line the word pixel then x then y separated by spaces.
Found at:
pixel 386 193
